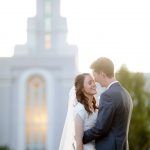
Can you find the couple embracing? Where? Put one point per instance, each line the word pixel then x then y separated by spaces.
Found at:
pixel 92 126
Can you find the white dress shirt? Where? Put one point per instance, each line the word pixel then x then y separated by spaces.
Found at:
pixel 111 84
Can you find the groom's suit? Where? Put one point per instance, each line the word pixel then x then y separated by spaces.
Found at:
pixel 111 129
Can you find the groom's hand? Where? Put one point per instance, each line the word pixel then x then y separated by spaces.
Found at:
pixel 86 137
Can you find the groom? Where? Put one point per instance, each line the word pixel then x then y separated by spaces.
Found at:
pixel 111 129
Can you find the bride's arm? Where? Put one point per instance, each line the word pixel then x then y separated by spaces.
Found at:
pixel 78 132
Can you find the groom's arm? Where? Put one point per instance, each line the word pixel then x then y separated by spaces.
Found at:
pixel 103 122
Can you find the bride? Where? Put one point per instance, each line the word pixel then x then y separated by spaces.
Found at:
pixel 82 113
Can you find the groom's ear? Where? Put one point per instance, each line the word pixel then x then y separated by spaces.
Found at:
pixel 103 74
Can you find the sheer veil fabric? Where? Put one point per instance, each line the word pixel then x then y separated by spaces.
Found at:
pixel 67 138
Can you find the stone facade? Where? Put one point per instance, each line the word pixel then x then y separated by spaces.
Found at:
pixel 35 82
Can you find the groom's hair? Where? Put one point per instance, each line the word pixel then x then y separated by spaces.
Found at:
pixel 103 64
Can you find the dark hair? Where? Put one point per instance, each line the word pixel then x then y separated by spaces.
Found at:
pixel 103 64
pixel 79 84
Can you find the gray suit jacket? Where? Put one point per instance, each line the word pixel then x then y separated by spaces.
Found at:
pixel 111 129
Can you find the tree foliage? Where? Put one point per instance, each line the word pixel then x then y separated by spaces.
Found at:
pixel 139 132
pixel 4 148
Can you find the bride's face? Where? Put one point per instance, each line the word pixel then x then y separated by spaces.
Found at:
pixel 89 85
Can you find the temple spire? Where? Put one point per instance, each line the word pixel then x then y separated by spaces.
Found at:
pixel 46 32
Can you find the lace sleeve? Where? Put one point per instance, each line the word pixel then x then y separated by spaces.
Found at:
pixel 80 110
pixel 79 125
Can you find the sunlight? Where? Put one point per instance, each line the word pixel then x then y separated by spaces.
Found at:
pixel 118 30
pixel 13 29
pixel 115 29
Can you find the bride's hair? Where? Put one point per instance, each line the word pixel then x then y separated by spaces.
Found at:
pixel 79 85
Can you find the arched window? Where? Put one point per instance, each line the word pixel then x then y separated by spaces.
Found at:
pixel 36 117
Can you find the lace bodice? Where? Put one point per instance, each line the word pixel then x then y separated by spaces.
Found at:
pixel 88 120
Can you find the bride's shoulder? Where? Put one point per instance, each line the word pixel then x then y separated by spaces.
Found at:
pixel 80 107
pixel 80 110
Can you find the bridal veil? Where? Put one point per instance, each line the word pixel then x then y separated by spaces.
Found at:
pixel 67 139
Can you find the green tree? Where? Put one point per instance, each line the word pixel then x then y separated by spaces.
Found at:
pixel 4 148
pixel 139 132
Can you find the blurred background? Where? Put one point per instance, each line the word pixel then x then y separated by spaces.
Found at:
pixel 45 43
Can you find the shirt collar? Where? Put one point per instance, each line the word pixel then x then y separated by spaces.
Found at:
pixel 111 84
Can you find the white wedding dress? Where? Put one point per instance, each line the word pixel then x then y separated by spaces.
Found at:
pixel 88 121
pixel 67 139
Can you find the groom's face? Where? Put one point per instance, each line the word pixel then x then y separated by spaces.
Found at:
pixel 98 76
